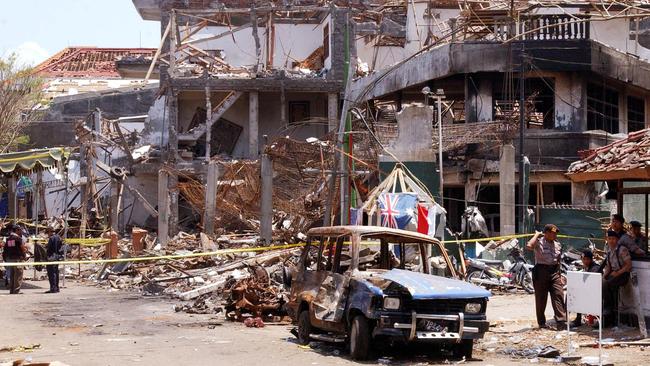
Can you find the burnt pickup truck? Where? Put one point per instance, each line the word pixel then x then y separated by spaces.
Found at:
pixel 361 284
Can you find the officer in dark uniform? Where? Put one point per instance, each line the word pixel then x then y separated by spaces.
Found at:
pixel 54 245
pixel 546 275
pixel 14 252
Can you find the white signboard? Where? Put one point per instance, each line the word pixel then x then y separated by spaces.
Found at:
pixel 584 292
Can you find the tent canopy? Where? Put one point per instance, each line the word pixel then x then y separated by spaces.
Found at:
pixel 24 162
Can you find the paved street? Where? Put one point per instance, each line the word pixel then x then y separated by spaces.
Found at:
pixel 87 325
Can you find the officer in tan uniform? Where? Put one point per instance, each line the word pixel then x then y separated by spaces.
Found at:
pixel 546 275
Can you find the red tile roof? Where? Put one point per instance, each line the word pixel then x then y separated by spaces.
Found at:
pixel 89 62
pixel 629 157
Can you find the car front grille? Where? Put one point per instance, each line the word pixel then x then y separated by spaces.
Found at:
pixel 439 306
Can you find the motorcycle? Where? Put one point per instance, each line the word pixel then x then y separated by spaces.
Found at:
pixel 504 274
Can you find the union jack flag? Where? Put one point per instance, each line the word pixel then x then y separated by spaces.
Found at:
pixel 396 209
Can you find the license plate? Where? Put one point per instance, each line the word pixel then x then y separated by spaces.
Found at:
pixel 433 326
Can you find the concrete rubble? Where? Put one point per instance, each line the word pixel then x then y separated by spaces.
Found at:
pixel 238 285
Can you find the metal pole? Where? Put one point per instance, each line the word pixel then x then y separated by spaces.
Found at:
pixel 65 218
pixel 441 192
pixel 266 202
pixel 522 126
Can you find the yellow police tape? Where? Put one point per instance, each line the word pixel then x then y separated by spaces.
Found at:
pixel 85 242
pixel 229 251
pixel 518 236
pixel 145 259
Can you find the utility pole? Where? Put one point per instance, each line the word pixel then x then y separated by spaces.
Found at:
pixel 522 127
pixel 440 94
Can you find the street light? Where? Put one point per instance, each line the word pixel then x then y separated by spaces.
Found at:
pixel 439 95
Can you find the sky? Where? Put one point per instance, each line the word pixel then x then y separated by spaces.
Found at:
pixel 36 29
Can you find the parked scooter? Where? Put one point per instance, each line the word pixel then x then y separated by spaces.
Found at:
pixel 510 275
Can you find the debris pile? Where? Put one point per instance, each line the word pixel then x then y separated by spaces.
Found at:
pixel 299 189
pixel 239 284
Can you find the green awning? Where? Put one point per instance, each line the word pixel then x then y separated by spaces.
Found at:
pixel 32 160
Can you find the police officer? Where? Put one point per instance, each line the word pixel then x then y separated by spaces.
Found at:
pixel 54 246
pixel 546 275
pixel 616 274
pixel 14 252
pixel 635 241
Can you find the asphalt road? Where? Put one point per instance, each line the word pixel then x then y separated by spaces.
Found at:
pixel 87 325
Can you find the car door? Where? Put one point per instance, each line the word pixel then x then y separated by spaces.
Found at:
pixel 328 306
pixel 309 277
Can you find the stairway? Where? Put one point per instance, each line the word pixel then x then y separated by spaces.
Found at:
pixel 217 112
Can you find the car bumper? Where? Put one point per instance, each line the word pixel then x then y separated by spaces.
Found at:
pixel 408 327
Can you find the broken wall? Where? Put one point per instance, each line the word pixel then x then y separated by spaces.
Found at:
pixel 269 116
pixel 292 42
pixel 113 104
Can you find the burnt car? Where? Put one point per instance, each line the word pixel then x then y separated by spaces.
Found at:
pixel 362 284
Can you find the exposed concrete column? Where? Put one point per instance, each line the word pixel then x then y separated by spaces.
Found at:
pixel 332 111
pixel 211 180
pixel 470 190
pixel 163 207
pixel 253 124
pixel 11 193
pixel 266 204
pixel 507 189
pixel 623 126
pixel 172 159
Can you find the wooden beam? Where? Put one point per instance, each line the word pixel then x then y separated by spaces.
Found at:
pixel 157 54
pixel 218 36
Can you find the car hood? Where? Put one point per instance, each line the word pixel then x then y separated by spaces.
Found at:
pixel 425 286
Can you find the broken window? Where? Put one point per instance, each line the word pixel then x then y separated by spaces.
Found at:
pixel 635 114
pixel 540 102
pixel 602 108
pixel 299 112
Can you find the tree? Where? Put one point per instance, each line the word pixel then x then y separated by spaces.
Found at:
pixel 20 92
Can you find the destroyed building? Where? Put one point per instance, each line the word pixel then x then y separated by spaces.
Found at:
pixel 585 83
pixel 79 80
pixel 234 72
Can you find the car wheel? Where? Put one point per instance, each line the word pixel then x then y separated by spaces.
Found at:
pixel 464 349
pixel 304 327
pixel 527 283
pixel 359 338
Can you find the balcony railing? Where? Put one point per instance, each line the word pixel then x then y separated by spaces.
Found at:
pixel 532 27
pixel 554 27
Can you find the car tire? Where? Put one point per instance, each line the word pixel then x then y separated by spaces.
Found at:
pixel 359 338
pixel 464 349
pixel 304 328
